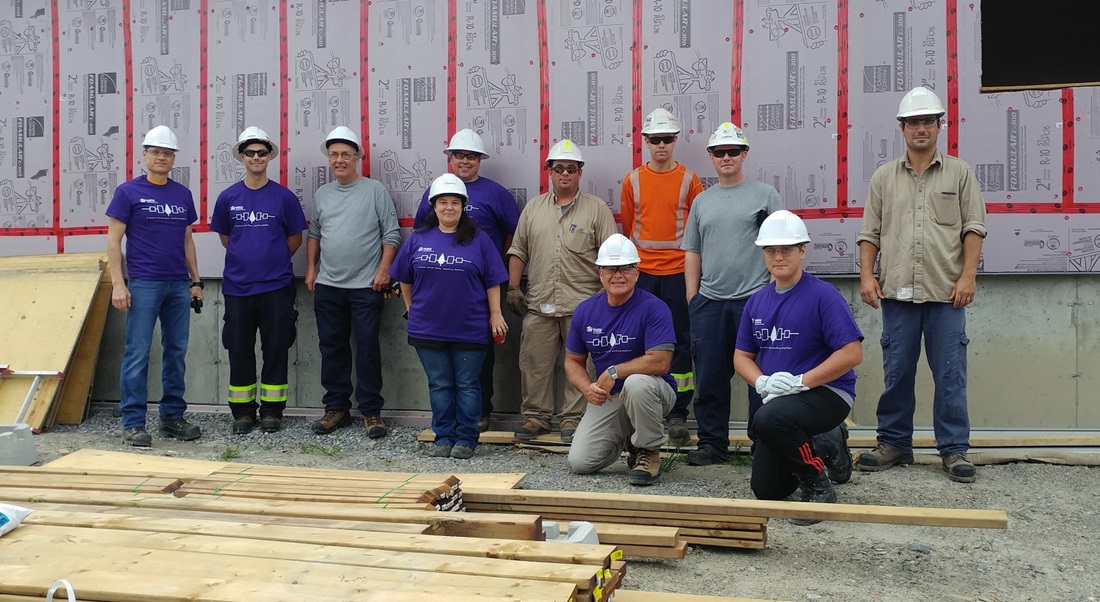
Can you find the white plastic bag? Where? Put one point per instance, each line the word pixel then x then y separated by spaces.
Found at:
pixel 11 516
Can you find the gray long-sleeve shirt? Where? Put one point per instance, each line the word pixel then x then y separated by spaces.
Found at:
pixel 352 221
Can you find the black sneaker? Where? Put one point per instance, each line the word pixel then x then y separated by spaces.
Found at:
pixel 180 429
pixel 332 420
pixel 833 447
pixel 704 456
pixel 243 425
pixel 819 490
pixel 271 424
pixel 137 436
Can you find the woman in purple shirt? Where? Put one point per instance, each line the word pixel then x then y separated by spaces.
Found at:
pixel 450 274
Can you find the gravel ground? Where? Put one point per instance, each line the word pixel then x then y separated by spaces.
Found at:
pixel 1049 552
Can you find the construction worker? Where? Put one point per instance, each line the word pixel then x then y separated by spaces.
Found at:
pixel 797 345
pixel 629 335
pixel 260 223
pixel 494 210
pixel 925 222
pixel 655 203
pixel 352 240
pixel 556 241
pixel 154 213
pixel 450 273
pixel 722 268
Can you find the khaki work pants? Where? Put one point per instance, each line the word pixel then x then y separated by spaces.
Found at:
pixel 540 345
pixel 636 413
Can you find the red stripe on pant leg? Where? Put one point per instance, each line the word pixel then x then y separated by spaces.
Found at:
pixel 809 458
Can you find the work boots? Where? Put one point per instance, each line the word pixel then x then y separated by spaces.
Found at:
pixel 243 425
pixel 180 429
pixel 959 468
pixel 883 457
pixel 332 420
pixel 137 436
pixel 271 424
pixel 678 433
pixel 529 430
pixel 568 429
pixel 833 447
pixel 817 489
pixel 376 429
pixel 647 467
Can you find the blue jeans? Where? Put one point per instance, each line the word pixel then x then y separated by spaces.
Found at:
pixel 454 389
pixel 713 337
pixel 672 290
pixel 169 301
pixel 342 312
pixel 945 341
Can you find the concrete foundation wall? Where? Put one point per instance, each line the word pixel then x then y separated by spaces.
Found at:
pixel 1034 357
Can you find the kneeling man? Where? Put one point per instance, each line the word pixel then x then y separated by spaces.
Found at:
pixel 798 344
pixel 628 333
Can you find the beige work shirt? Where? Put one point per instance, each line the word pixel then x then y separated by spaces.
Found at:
pixel 918 223
pixel 560 251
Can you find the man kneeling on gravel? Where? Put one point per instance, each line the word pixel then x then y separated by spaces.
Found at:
pixel 629 334
pixel 798 344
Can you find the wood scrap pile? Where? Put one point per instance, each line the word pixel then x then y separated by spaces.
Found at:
pixel 55 317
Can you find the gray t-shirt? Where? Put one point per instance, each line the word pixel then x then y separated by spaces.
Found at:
pixel 722 229
pixel 352 221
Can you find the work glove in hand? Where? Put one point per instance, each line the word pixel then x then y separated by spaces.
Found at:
pixel 762 385
pixel 516 301
pixel 783 383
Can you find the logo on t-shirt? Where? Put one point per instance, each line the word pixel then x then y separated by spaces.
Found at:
pixel 252 217
pixel 153 201
pixel 168 210
pixel 774 335
pixel 610 340
pixel 441 259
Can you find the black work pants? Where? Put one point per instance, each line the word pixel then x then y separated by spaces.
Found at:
pixel 272 314
pixel 783 429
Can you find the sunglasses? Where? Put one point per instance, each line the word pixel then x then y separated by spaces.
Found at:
pixel 465 156
pixel 729 152
pixel 915 122
pixel 560 169
pixel 618 269
pixel 655 140
pixel 252 152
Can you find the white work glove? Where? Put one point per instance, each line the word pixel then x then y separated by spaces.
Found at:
pixel 762 385
pixel 783 383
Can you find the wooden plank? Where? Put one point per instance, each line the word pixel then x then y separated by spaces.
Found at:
pixel 69 557
pixel 398 502
pixel 537 551
pixel 13 392
pixel 619 534
pixel 746 544
pixel 724 534
pixel 677 551
pixel 414 563
pixel 898 515
pixel 131 586
pixel 502 526
pixel 629 515
pixel 627 595
pixel 72 405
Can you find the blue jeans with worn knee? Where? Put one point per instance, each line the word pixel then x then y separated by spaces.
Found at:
pixel 150 300
pixel 944 330
pixel 454 389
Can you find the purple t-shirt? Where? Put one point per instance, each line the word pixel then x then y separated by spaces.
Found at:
pixel 491 206
pixel 798 330
pixel 156 218
pixel 614 335
pixel 257 222
pixel 449 281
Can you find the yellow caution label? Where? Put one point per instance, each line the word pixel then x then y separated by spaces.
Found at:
pixel 617 555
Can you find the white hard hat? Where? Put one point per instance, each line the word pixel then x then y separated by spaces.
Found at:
pixel 161 137
pixel 660 121
pixel 467 140
pixel 447 183
pixel 253 134
pixel 728 134
pixel 782 228
pixel 341 134
pixel 920 101
pixel 566 150
pixel 617 250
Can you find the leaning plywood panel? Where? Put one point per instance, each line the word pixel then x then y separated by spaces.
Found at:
pixel 72 405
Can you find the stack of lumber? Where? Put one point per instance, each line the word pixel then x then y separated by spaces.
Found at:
pixel 120 533
pixel 54 320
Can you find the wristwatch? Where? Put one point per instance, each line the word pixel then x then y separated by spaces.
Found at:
pixel 612 372
pixel 198 283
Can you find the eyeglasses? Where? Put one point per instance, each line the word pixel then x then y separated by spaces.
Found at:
pixel 611 270
pixel 915 122
pixel 727 152
pixel 560 169
pixel 655 140
pixel 161 152
pixel 461 156
pixel 346 156
pixel 784 251
pixel 254 152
